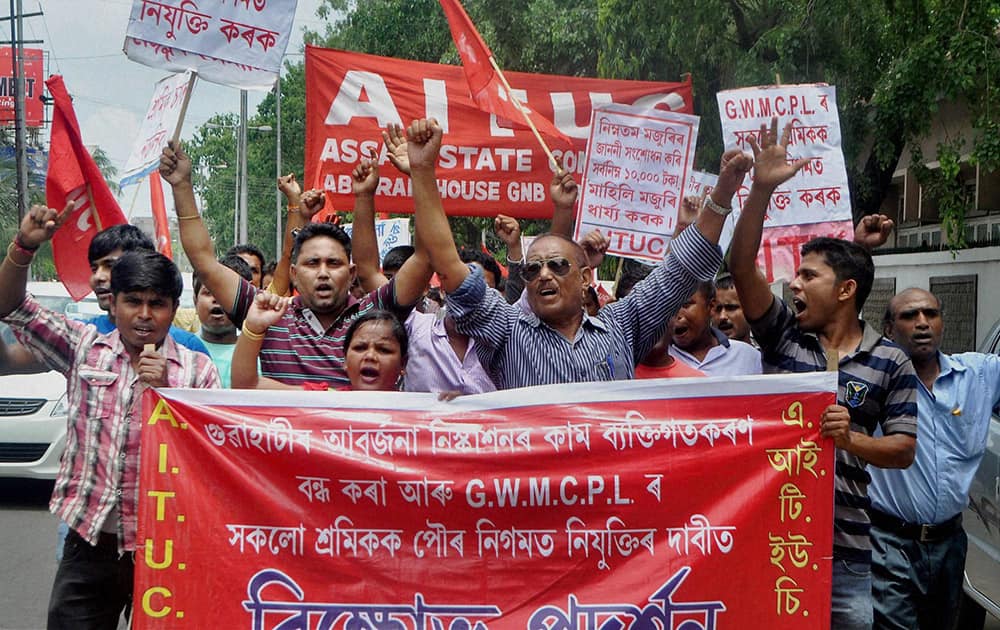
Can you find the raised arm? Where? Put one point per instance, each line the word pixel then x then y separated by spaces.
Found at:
pixel 290 188
pixel 424 143
pixel 771 169
pixel 563 192
pixel 38 226
pixel 364 242
pixel 223 282
pixel 265 311
pixel 873 231
pixel 16 359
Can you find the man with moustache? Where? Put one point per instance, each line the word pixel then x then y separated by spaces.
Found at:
pixel 918 543
pixel 307 344
pixel 874 420
pixel 557 342
pixel 727 312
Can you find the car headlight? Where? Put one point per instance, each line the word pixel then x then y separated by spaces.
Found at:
pixel 60 408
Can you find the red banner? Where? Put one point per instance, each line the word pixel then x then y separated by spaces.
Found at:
pixel 74 177
pixel 160 223
pixel 34 74
pixel 641 504
pixel 486 166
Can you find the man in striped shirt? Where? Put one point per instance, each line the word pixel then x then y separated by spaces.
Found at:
pixel 557 342
pixel 877 383
pixel 97 489
pixel 306 346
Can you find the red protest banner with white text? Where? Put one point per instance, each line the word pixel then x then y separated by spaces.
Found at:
pixel 816 201
pixel 486 166
pixel 661 504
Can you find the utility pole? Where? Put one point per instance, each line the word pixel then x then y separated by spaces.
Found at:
pixel 17 59
pixel 279 236
pixel 242 150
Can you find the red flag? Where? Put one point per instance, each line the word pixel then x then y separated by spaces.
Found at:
pixel 160 215
pixel 73 176
pixel 487 88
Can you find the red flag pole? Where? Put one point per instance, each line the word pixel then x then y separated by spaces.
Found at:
pixel 520 108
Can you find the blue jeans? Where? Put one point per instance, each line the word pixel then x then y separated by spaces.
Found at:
pixel 917 584
pixel 851 604
pixel 61 533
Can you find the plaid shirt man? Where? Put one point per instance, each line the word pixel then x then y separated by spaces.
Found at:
pixel 99 474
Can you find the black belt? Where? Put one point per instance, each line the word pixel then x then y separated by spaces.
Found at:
pixel 916 531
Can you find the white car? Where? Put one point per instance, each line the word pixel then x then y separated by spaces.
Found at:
pixel 33 406
pixel 982 524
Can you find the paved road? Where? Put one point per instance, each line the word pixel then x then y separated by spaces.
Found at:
pixel 27 555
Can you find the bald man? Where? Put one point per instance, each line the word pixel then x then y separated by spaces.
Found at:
pixel 918 544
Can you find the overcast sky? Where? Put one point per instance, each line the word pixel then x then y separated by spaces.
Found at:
pixel 84 39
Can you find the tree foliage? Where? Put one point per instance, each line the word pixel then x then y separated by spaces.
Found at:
pixel 891 61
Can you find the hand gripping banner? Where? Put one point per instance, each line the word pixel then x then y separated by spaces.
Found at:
pixel 643 504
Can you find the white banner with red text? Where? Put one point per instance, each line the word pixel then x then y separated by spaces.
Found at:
pixel 816 201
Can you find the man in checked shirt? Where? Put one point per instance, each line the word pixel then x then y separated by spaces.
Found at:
pixel 97 489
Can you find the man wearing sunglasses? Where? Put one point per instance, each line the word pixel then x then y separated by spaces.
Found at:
pixel 557 342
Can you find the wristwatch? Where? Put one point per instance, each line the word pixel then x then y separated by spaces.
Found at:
pixel 716 208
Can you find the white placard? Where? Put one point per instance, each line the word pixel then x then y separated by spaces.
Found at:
pixel 816 194
pixel 233 42
pixel 389 232
pixel 638 161
pixel 158 126
pixel 816 201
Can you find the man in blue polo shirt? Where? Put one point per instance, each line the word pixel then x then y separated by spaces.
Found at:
pixel 918 544
pixel 877 384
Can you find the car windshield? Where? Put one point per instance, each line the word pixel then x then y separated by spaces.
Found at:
pixel 82 310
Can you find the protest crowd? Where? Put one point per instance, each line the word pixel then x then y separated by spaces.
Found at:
pixel 330 314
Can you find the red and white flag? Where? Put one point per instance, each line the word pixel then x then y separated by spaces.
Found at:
pixel 160 215
pixel 488 90
pixel 74 177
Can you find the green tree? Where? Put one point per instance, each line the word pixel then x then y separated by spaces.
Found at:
pixel 892 63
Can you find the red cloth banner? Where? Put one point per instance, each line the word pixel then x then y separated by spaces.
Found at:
pixel 34 73
pixel 160 221
pixel 641 504
pixel 485 84
pixel 74 177
pixel 486 166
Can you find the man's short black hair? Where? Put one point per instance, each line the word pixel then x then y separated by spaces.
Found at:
pixel 269 268
pixel 123 236
pixel 247 248
pixel 313 230
pixel 141 270
pixel 724 282
pixel 469 255
pixel 849 261
pixel 234 262
pixel 395 257
pixel 633 272
pixel 707 290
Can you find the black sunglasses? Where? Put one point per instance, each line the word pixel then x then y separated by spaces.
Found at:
pixel 559 266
